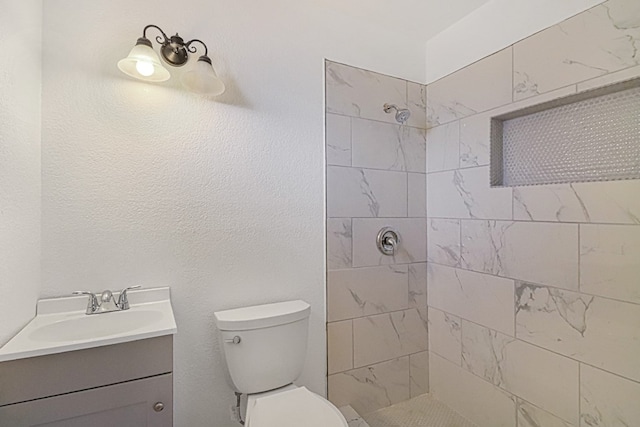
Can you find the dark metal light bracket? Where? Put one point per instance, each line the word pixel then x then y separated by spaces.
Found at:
pixel 174 50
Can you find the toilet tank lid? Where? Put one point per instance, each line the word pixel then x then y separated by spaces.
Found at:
pixel 262 316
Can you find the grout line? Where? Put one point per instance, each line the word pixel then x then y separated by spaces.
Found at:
pixel 376 169
pixel 352 240
pixel 502 388
pixel 513 72
pixel 579 392
pixel 408 356
pixel 529 221
pixel 407 194
pixel 541 285
pixel 398 264
pixel 579 259
pixel 461 332
pixel 353 346
pixel 460 242
pixel 515 304
pixel 351 141
pixel 375 120
pixel 539 347
pixel 376 314
pixel 527 101
pixel 388 76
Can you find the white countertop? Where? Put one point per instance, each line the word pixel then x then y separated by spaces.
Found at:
pixel 61 325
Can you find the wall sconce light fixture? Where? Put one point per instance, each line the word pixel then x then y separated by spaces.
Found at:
pixel 143 63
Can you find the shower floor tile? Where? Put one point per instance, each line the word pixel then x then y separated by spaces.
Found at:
pixel 421 411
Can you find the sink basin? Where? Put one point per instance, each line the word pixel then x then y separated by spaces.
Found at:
pixel 95 326
pixel 61 324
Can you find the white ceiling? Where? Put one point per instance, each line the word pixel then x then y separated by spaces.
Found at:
pixel 420 19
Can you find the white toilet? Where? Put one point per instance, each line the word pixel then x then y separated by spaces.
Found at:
pixel 265 348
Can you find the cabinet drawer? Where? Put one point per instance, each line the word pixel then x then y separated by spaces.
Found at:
pixel 128 404
pixel 43 376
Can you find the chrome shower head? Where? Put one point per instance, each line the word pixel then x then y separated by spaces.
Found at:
pixel 402 114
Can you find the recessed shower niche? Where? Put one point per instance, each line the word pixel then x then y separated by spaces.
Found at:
pixel 589 136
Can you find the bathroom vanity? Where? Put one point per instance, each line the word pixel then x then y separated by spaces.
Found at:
pixel 90 373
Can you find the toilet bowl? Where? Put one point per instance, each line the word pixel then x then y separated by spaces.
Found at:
pixel 265 348
pixel 292 406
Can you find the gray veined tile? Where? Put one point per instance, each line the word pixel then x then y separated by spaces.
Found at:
pixel 358 292
pixel 356 92
pixel 591 44
pixel 417 187
pixel 598 202
pixel 594 330
pixel 419 373
pixel 484 352
pixel 355 192
pixel 475 140
pixel 338 137
pixel 443 241
pixel 542 377
pixel 608 400
pixel 607 79
pixel 417 104
pixel 481 298
pixel 532 416
pixel 372 387
pixel 478 87
pixel 418 286
pixel 445 335
pixel 609 201
pixel 465 193
pixel 339 346
pixel 474 398
pixel 557 202
pixel 542 253
pixel 443 145
pixel 610 261
pixel 413 241
pixel 387 336
pixel 387 146
pixel 339 243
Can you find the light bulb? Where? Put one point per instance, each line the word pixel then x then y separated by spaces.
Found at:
pixel 145 68
pixel 143 63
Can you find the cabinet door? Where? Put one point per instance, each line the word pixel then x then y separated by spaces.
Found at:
pixel 130 404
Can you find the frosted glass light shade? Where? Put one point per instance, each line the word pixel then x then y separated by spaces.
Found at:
pixel 202 79
pixel 143 63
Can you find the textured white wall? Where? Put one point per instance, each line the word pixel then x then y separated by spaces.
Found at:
pixel 20 32
pixel 492 27
pixel 223 201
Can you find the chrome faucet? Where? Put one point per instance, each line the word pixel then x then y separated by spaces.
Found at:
pixel 107 302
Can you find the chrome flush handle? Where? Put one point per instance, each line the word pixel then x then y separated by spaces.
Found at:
pixel 234 340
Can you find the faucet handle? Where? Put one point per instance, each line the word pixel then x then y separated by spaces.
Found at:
pixel 92 305
pixel 123 301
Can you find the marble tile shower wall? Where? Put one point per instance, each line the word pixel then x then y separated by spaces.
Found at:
pixel 377 308
pixel 534 292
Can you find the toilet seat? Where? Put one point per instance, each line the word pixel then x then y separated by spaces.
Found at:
pixel 294 408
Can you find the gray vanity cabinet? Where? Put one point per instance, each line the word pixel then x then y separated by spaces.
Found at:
pixel 123 385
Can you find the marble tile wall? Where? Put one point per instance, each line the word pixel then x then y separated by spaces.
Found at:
pixel 376 177
pixel 533 292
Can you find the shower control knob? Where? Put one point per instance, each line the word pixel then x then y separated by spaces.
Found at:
pixel 388 241
pixel 158 407
pixel 234 340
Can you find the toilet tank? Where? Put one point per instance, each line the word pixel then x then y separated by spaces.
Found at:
pixel 265 346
